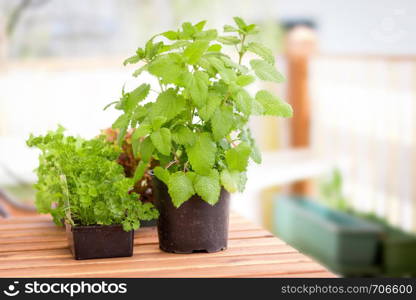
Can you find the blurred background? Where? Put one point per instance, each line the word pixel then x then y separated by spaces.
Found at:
pixel 346 162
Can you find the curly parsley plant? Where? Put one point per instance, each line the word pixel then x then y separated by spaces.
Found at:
pixel 80 181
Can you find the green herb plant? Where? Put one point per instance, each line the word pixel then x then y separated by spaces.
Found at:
pixel 331 192
pixel 80 181
pixel 197 127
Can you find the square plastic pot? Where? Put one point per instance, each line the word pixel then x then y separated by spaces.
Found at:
pixel 98 241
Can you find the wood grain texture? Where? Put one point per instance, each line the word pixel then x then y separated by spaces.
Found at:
pixel 35 247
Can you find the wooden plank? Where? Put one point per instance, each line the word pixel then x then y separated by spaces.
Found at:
pixel 37 248
pixel 141 253
pixel 187 265
pixel 312 274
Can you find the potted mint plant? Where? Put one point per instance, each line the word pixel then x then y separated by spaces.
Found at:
pixel 80 182
pixel 195 126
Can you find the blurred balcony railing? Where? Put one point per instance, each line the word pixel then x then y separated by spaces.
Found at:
pixel 364 108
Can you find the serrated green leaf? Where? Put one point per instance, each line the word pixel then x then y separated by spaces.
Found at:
pixel 202 153
pixel 207 35
pixel 168 105
pixel 140 70
pixel 240 23
pixel 135 145
pixel 158 121
pixel 222 122
pixel 171 35
pixel 231 64
pixel 233 181
pixel 142 130
pixel 208 187
pixel 210 107
pixel 198 87
pixel 228 75
pixel 188 30
pixel 183 135
pixel 214 48
pixel 252 29
pixel 266 71
pixel 131 60
pixel 139 172
pixel 175 45
pixel 244 102
pixel 162 174
pixel 152 49
pixel 180 188
pixel 162 140
pixel 121 122
pixel 194 51
pixel 244 80
pixel 136 96
pixel 255 152
pixel 200 25
pixel 273 106
pixel 261 51
pixel 146 149
pixel 237 157
pixel 228 40
pixel 168 67
pixel 229 28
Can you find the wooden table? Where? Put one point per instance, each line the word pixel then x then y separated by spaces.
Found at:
pixel 35 247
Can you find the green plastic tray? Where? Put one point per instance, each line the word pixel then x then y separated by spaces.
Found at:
pixel 347 245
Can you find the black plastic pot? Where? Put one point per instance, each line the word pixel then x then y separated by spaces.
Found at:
pixel 99 241
pixel 195 226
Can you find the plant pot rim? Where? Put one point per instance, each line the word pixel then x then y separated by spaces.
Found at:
pixel 113 227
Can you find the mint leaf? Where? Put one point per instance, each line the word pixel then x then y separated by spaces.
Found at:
pixel 228 40
pixel 261 51
pixel 200 25
pixel 207 35
pixel 168 105
pixel 143 130
pixel 140 169
pixel 158 121
pixel 198 88
pixel 244 80
pixel 228 75
pixel 240 23
pixel 140 70
pixel 222 122
pixel 209 108
pixel 266 71
pixel 233 181
pixel 272 105
pixel 208 187
pixel 195 50
pixel 136 96
pixel 229 28
pixel 180 188
pixel 132 60
pixel 237 157
pixel 215 48
pixel 202 153
pixel 162 174
pixel 188 30
pixel 161 139
pixel 146 149
pixel 183 135
pixel 244 102
pixel 171 35
pixel 168 67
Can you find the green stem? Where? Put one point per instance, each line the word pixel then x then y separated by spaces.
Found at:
pixel 241 52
